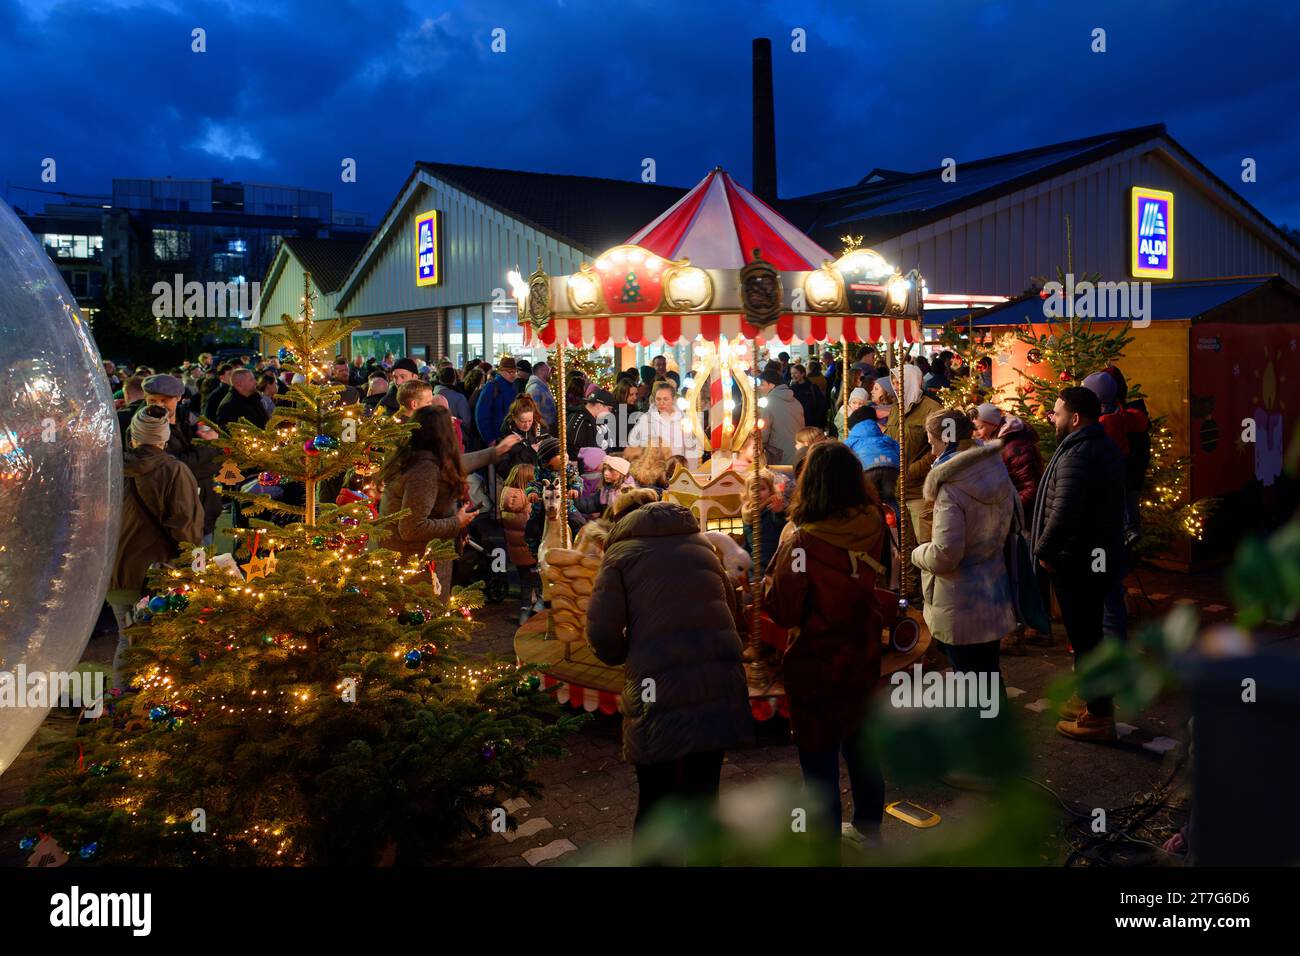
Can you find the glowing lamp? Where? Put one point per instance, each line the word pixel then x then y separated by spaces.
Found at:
pixel 822 290
pixel 762 402
pixel 688 383
pixel 688 287
pixel 584 292
pixel 729 405
pixel 867 263
pixel 683 404
pixel 898 291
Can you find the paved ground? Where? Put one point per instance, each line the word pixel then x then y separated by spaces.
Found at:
pixel 590 795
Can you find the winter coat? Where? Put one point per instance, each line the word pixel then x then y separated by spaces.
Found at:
pixel 171 515
pixel 456 401
pixel 873 447
pixel 203 461
pixel 828 602
pixel 583 430
pixel 432 502
pixel 494 401
pixel 963 566
pixel 784 417
pixel 653 430
pixel 235 406
pixel 600 497
pixel 813 402
pixel 540 393
pixel 515 510
pixel 1080 505
pixel 214 399
pixel 523 453
pixel 918 454
pixel 770 525
pixel 1023 460
pixel 661 607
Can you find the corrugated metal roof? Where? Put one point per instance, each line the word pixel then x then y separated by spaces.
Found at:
pixel 1169 300
pixel 586 212
pixel 328 260
pixel 886 203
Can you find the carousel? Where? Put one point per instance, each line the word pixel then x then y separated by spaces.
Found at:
pixel 722 272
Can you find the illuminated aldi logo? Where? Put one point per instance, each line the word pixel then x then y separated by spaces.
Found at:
pixel 428 267
pixel 1152 235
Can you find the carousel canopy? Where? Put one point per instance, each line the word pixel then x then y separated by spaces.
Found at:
pixel 721 263
pixel 719 223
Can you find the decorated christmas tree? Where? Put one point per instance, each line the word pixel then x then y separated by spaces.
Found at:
pixel 304 704
pixel 970 346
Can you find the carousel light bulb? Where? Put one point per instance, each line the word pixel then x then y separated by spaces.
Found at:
pixel 688 382
pixel 898 290
pixel 729 405
pixel 762 402
pixel 823 289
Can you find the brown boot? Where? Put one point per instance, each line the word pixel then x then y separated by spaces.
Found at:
pixel 1088 726
pixel 1072 708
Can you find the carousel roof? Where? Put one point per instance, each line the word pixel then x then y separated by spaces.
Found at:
pixel 718 225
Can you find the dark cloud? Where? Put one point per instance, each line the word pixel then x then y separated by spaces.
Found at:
pixel 287 90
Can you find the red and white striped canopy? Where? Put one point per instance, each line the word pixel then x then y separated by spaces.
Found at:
pixel 719 224
pixel 593 332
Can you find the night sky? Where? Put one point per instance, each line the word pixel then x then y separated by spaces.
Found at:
pixel 287 89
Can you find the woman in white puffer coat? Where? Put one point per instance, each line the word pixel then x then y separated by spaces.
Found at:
pixel 964 578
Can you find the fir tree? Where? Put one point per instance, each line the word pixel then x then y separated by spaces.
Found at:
pixel 306 707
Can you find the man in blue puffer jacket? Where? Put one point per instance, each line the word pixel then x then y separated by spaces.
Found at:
pixel 876 450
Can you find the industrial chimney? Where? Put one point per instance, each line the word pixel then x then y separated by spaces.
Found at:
pixel 764 123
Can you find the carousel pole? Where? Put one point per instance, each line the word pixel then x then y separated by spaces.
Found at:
pixel 844 384
pixel 759 670
pixel 561 423
pixel 904 550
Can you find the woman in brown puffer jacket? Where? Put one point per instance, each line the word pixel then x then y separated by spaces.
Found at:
pixel 821 585
pixel 661 607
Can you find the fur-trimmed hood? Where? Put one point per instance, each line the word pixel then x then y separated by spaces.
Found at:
pixel 978 470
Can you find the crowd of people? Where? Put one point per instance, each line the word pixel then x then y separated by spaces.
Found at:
pixel 664 605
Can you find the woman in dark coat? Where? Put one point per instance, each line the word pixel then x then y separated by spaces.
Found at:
pixel 822 582
pixel 661 606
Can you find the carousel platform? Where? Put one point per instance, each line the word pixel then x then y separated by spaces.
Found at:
pixel 584 683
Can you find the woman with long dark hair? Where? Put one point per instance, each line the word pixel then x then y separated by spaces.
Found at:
pixel 427 478
pixel 821 585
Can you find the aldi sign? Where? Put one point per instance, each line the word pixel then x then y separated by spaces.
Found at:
pixel 1152 233
pixel 428 267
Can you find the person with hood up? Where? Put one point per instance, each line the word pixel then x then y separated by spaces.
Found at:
pixel 781 414
pixel 917 407
pixel 663 608
pixel 877 452
pixel 964 580
pixel 161 511
pixel 821 584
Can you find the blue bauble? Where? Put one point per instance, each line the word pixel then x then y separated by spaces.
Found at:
pixel 413 659
pixel 324 442
pixel 158 713
pixel 89 850
pixel 27 843
pixel 283 353
pixel 158 604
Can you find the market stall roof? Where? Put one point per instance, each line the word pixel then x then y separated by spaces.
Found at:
pixel 719 223
pixel 1169 301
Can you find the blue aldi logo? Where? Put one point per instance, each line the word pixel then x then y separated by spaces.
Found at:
pixel 1152 235
pixel 427 264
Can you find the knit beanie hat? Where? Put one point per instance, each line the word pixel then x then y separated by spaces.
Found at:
pixel 548 449
pixel 1104 387
pixel 988 412
pixel 150 427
